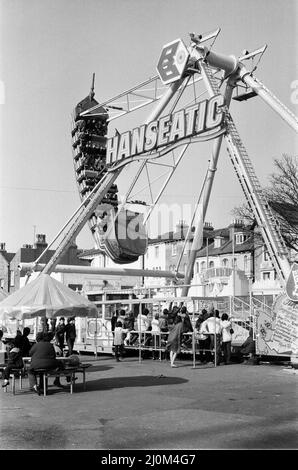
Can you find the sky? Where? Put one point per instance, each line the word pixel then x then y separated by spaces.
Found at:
pixel 48 52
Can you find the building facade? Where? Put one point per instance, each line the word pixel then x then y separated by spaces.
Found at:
pixel 225 265
pixel 12 278
pixel 233 261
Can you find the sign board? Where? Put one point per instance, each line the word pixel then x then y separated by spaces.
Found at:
pixel 172 62
pixel 292 283
pixel 203 119
pixel 277 330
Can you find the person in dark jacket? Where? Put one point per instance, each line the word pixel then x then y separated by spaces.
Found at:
pixel 26 346
pixel 187 327
pixel 114 320
pixel 172 314
pixel 70 334
pixel 174 340
pixel 60 332
pixel 15 360
pixel 43 356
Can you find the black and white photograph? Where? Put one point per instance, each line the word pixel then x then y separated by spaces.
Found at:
pixel 148 230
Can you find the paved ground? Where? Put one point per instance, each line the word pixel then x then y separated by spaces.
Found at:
pixel 148 405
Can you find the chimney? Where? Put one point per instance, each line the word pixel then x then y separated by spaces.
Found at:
pixel 235 226
pixel 208 227
pixel 2 247
pixel 181 228
pixel 40 241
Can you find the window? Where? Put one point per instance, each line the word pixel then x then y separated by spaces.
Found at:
pixel 174 249
pixel 225 263
pixel 245 263
pixel 266 275
pixel 234 263
pixel 240 238
pixel 197 267
pixel 266 256
pixel 156 249
pixel 217 243
pixel 203 266
pixel 12 278
pixel 211 264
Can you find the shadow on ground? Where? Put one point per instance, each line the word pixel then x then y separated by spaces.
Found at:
pixel 139 381
pixel 98 368
pixel 113 383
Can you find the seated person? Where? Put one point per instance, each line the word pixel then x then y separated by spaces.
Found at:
pixel 43 356
pixel 248 348
pixel 26 346
pixel 15 360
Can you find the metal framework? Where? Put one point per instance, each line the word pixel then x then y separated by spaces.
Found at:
pixel 212 70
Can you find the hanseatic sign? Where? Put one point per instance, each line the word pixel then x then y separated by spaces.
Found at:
pixel 202 119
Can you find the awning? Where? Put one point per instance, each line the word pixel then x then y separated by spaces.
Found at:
pixel 45 297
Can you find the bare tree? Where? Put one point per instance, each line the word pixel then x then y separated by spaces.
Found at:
pixel 284 184
pixel 282 195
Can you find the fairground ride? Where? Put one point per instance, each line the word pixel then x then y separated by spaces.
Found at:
pixel 190 100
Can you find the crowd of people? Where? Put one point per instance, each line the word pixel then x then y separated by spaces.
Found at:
pixel 48 345
pixel 169 331
pixel 213 334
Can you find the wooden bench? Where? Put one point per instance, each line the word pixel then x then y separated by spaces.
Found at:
pixel 68 371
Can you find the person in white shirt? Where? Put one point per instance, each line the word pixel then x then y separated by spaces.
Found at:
pixel 143 325
pixel 155 331
pixel 119 334
pixel 143 321
pixel 212 328
pixel 226 340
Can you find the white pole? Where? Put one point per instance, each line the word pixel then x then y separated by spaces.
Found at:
pixel 269 98
pixel 215 341
pixel 193 336
pixel 233 260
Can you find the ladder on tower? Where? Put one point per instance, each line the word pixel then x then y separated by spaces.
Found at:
pixel 266 220
pixel 257 200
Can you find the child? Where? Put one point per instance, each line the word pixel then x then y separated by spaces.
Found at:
pixel 15 360
pixel 119 340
